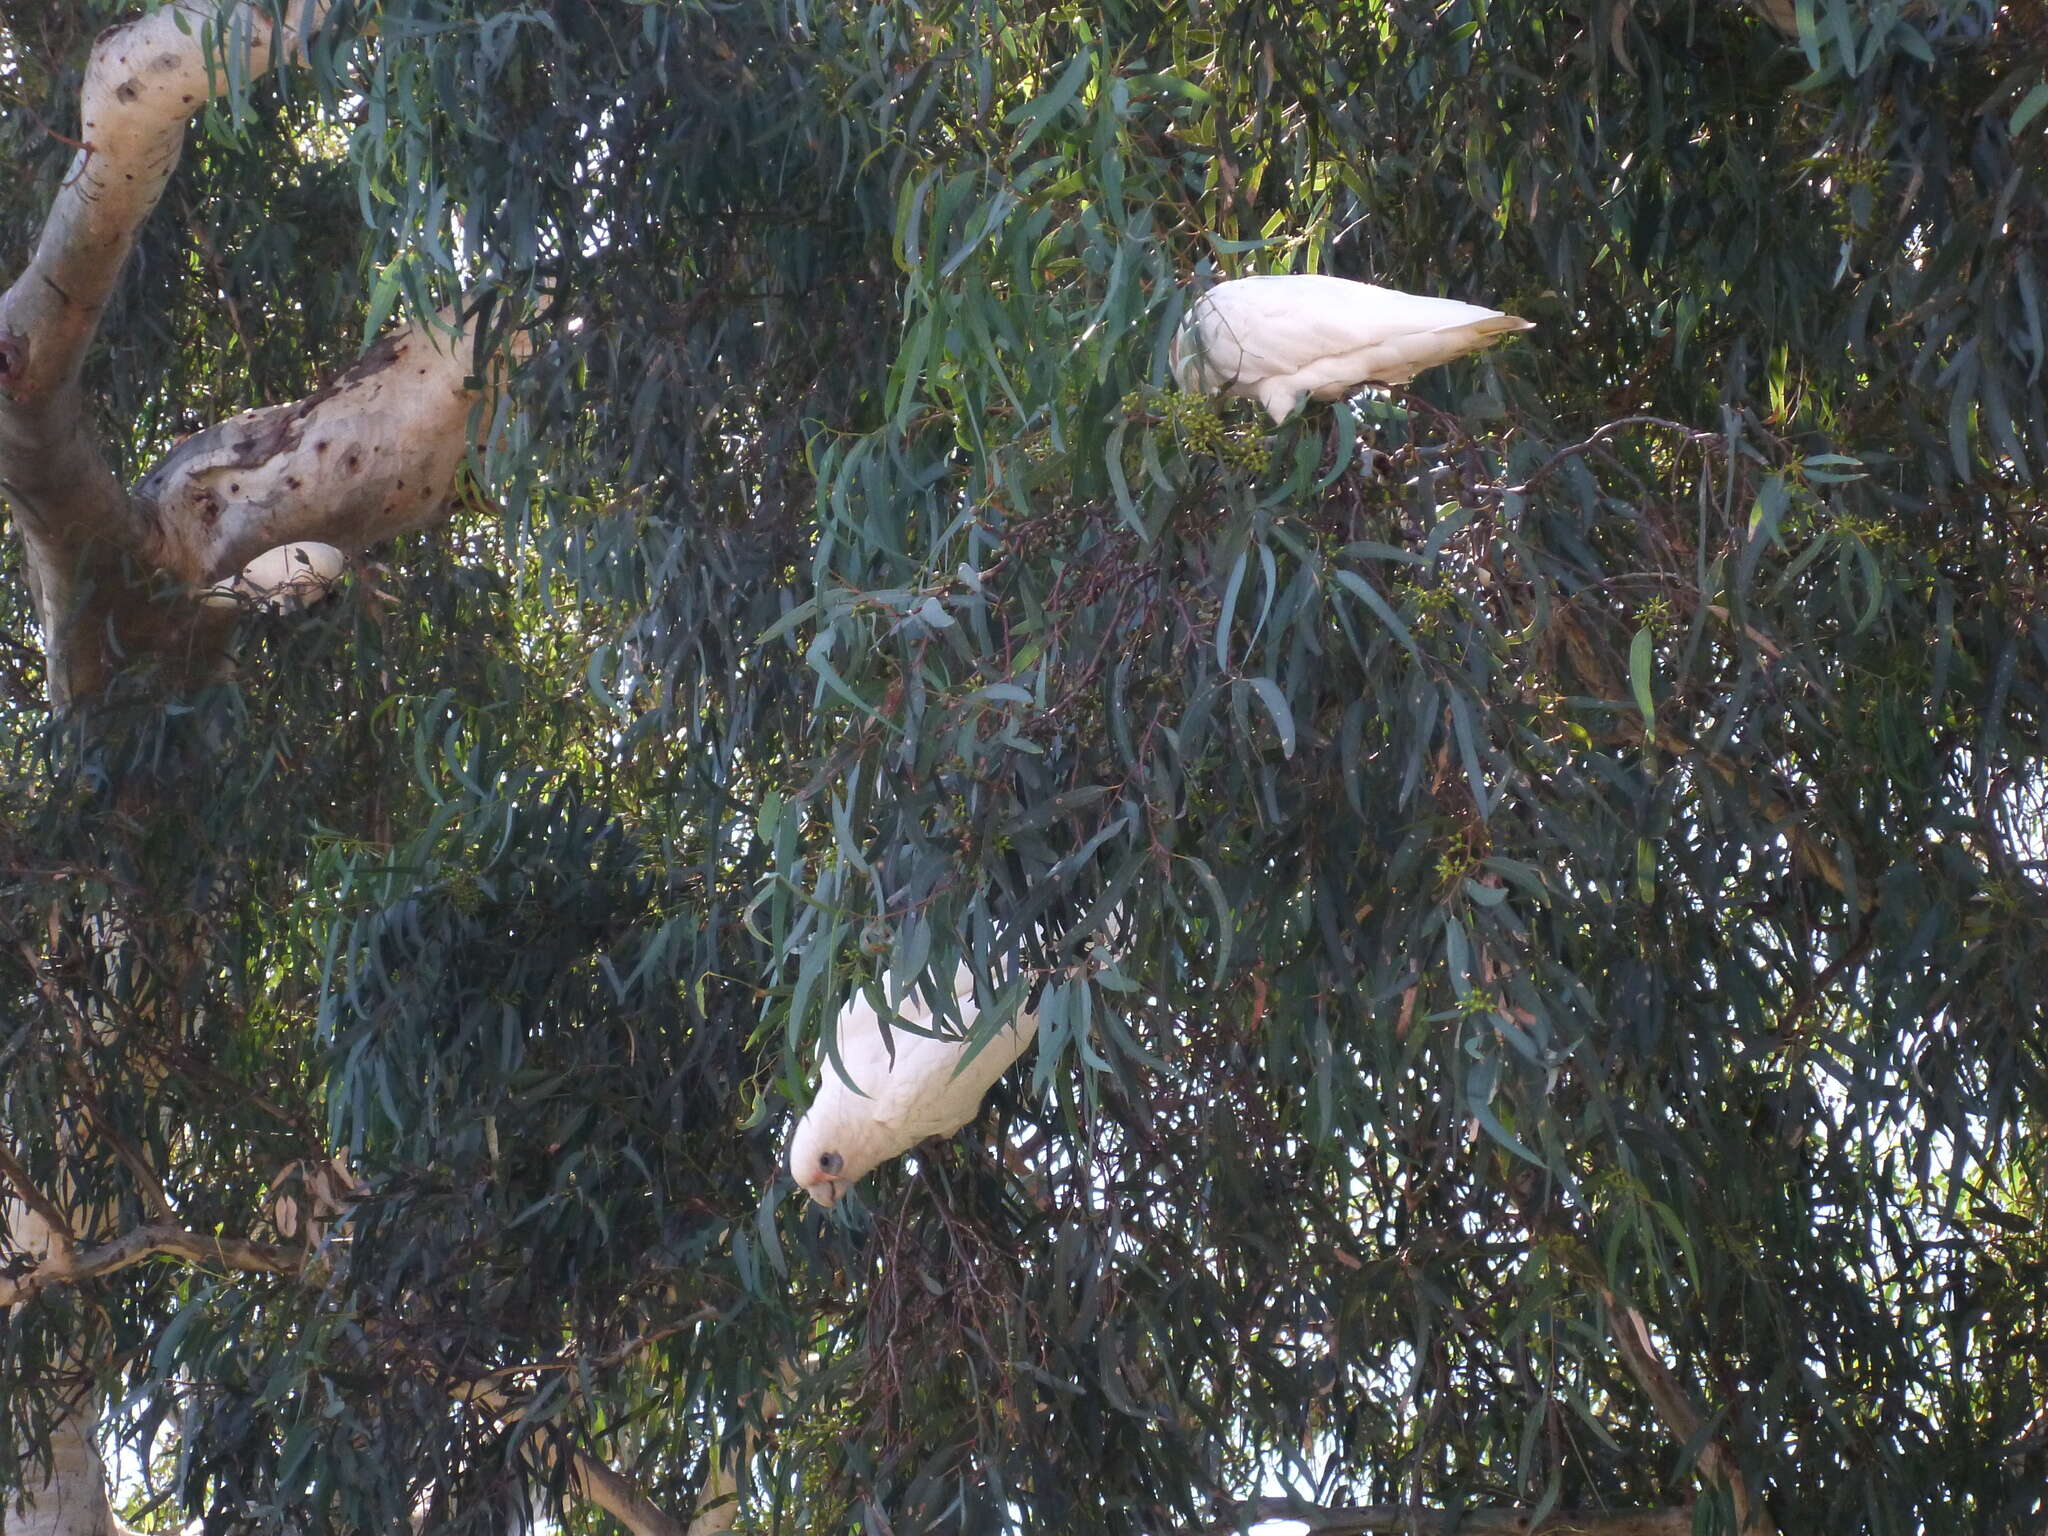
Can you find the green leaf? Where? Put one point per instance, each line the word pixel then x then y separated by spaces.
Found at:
pixel 1641 657
pixel 2031 106
pixel 1276 705
pixel 1037 115
pixel 1365 592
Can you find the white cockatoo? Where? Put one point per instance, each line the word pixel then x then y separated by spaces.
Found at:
pixel 1276 339
pixel 910 1086
pixel 281 580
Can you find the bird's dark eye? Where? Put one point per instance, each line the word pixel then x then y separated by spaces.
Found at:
pixel 831 1162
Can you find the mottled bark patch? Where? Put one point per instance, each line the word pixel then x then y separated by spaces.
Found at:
pixel 13 360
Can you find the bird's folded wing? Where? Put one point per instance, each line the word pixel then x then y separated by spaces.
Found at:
pixel 1290 335
pixel 935 1090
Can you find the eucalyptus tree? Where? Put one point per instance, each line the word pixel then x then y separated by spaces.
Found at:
pixel 1570 1049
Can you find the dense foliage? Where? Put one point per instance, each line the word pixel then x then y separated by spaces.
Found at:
pixel 1572 834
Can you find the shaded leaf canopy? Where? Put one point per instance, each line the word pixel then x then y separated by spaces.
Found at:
pixel 1571 831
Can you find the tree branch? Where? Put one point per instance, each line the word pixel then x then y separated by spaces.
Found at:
pixel 1600 435
pixel 1364 1519
pixel 370 456
pixel 11 1172
pixel 68 1268
pixel 617 1497
pixel 1674 1405
pixel 143 84
pixel 610 1491
pixel 718 1507
pixel 596 1482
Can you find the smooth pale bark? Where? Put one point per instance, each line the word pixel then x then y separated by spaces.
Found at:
pixel 72 1498
pixel 85 540
pixel 119 575
pixel 143 83
pixel 373 455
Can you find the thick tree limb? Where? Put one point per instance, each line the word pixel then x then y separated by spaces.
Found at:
pixel 1364 1519
pixel 718 1507
pixel 143 83
pixel 73 1498
pixel 132 1247
pixel 372 455
pixel 618 1498
pixel 1674 1405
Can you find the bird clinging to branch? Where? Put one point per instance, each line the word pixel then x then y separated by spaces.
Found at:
pixel 910 1086
pixel 1278 339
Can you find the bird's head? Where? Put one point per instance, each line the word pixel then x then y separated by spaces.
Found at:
pixel 834 1143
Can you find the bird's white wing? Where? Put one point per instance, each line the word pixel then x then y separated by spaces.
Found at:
pixel 1257 327
pixel 924 1090
pixel 290 576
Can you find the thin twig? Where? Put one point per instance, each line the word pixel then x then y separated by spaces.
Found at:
pixel 85 147
pixel 1691 434
pixel 605 1361
pixel 1809 999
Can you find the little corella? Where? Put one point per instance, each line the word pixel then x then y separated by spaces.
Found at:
pixel 1278 340
pixel 904 1088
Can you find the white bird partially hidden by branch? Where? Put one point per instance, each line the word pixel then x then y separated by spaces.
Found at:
pixel 281 580
pixel 910 1086
pixel 1279 339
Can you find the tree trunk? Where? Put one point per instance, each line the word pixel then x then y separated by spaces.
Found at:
pixel 372 455
pixel 70 1499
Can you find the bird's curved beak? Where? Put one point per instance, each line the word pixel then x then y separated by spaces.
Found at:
pixel 824 1190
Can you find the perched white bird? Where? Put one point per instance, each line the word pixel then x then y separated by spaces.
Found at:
pixel 911 1086
pixel 1276 339
pixel 281 580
